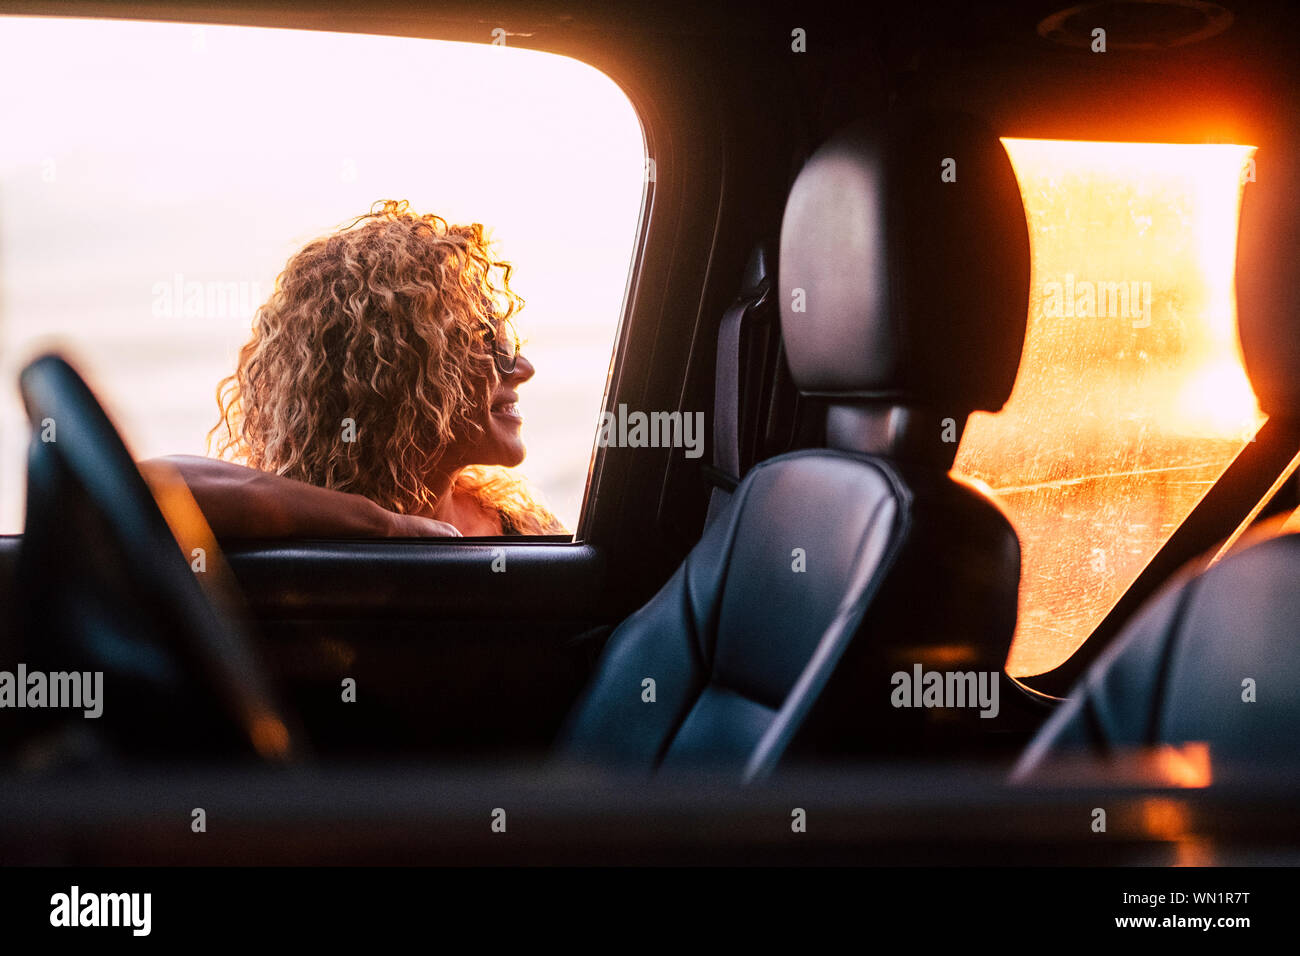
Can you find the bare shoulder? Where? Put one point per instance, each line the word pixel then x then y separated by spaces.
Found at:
pixel 474 518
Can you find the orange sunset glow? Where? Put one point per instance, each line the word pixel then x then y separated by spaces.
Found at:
pixel 1132 398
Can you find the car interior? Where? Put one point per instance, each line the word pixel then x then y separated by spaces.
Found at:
pixel 839 263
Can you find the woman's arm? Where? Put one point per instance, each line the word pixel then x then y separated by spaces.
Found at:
pixel 241 502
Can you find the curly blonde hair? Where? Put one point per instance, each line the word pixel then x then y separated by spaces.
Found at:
pixel 384 322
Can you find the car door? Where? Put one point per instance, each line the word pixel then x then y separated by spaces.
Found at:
pixel 476 647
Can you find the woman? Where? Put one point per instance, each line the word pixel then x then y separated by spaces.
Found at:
pixel 377 395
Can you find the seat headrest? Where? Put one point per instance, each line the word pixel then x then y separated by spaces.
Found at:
pixel 904 266
pixel 1268 284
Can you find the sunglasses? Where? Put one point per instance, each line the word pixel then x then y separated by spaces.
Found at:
pixel 505 344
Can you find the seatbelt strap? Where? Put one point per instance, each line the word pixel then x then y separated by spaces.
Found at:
pixel 726 471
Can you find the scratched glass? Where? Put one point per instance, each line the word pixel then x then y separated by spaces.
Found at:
pixel 1132 399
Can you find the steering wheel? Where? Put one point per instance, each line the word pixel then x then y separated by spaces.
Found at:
pixel 121 574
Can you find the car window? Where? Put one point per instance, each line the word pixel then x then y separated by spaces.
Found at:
pixel 155 178
pixel 1132 398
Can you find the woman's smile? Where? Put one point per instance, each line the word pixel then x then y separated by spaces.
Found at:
pixel 508 409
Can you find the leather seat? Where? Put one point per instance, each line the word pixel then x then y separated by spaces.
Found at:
pixel 903 302
pixel 1186 666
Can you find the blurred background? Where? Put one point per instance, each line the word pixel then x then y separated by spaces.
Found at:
pixel 155 178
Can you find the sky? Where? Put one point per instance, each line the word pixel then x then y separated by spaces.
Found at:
pixel 137 158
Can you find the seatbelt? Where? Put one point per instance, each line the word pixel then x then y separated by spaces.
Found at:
pixel 725 474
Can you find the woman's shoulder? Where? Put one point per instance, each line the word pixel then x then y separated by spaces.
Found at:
pixel 476 518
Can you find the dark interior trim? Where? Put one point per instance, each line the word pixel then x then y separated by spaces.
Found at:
pixel 419 577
